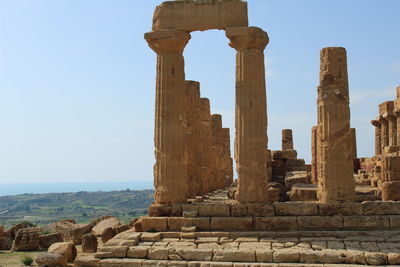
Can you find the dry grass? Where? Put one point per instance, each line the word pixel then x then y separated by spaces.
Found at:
pixel 13 259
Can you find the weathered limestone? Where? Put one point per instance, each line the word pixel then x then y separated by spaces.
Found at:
pixel 378 137
pixel 396 111
pixel 314 154
pixel 170 171
pixel 384 132
pixel 386 112
pixel 391 178
pixel 193 146
pixel 221 146
pixel 251 113
pixel 335 155
pixel 353 138
pixel 206 159
pixel 200 15
pixel 287 139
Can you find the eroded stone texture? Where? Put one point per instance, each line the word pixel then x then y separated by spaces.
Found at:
pixel 335 156
pixel 378 138
pixel 205 140
pixel 386 113
pixel 203 15
pixel 314 154
pixel 170 170
pixel 287 139
pixel 396 111
pixel 251 113
pixel 193 146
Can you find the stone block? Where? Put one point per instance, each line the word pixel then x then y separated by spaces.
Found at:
pixel 295 208
pixel 239 210
pixel 150 237
pixel 296 177
pixel 365 222
pixel 121 263
pixel 381 207
pixel 161 210
pixel 112 252
pixel 260 210
pixel 137 252
pixel 190 210
pixel 284 154
pixel 394 258
pixel 264 255
pixel 287 255
pixel 320 222
pixel 303 192
pixel 158 253
pixel 200 15
pixel 236 255
pixel 355 257
pixel 214 210
pixel 86 260
pixel 191 254
pixel 231 224
pixel 329 209
pixel 158 224
pixel 275 223
pixel 376 258
pixel 391 191
pixel 394 221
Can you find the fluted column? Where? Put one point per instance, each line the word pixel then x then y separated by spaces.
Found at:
pixel 335 147
pixel 396 111
pixel 170 170
pixel 384 132
pixel 378 138
pixel 251 113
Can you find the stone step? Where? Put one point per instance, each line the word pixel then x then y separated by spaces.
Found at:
pixel 274 223
pixel 373 248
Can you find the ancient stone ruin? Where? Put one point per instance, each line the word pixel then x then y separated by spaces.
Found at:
pixel 280 211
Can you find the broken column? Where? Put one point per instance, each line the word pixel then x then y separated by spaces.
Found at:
pixel 251 113
pixel 378 138
pixel 170 170
pixel 335 155
pixel 314 154
pixel 287 139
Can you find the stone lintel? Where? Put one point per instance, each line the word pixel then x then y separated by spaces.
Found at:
pixel 202 15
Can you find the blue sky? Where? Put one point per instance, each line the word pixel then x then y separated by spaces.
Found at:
pixel 77 79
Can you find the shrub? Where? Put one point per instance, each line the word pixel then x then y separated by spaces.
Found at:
pixel 27 261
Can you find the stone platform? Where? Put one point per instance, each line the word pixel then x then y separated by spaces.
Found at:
pixel 310 248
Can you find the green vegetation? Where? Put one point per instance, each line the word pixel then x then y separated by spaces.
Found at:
pixel 43 209
pixel 27 261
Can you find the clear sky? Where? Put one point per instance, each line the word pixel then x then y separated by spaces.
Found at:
pixel 77 79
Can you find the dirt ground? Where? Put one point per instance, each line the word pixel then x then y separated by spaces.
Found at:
pixel 13 259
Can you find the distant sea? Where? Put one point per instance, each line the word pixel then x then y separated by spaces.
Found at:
pixel 40 188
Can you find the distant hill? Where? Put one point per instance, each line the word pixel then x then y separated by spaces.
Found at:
pixel 81 206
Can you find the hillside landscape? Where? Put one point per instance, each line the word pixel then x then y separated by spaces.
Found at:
pixel 81 206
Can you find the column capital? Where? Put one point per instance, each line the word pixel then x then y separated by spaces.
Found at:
pixel 247 38
pixel 167 41
pixel 376 123
pixel 396 109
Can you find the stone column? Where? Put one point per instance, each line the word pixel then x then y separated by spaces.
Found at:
pixel 170 170
pixel 396 111
pixel 216 129
pixel 193 147
pixel 378 138
pixel 314 154
pixel 335 155
pixel 251 113
pixel 384 132
pixel 205 140
pixel 287 139
pixel 228 163
pixel 391 178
